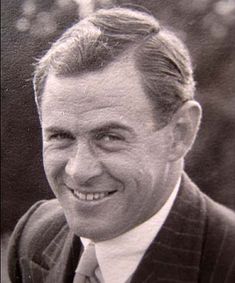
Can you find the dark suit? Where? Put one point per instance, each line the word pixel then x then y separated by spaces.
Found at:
pixel 195 244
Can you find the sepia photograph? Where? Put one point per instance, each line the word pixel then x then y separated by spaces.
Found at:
pixel 118 141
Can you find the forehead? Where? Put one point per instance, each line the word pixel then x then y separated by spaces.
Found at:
pixel 111 92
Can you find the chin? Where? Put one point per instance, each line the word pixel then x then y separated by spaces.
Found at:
pixel 86 230
pixel 95 235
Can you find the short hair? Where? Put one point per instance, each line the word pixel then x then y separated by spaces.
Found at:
pixel 160 57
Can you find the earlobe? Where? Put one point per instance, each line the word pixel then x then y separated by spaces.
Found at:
pixel 185 125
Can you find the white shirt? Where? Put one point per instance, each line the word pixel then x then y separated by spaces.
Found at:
pixel 118 258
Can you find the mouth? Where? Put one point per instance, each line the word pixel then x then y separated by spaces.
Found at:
pixel 91 196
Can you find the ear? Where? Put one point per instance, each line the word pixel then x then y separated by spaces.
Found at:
pixel 184 125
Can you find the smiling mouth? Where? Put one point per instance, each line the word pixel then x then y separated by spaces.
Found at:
pixel 92 196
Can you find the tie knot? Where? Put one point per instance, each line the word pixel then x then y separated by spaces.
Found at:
pixel 88 261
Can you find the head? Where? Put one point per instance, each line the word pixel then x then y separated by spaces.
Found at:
pixel 115 99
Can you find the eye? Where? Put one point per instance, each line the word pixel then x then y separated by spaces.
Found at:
pixel 61 136
pixel 109 137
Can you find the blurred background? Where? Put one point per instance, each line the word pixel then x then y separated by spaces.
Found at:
pixel 28 29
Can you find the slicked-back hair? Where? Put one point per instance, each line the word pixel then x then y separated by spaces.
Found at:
pixel 160 57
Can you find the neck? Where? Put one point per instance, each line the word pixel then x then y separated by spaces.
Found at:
pixel 172 175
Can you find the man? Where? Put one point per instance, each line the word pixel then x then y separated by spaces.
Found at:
pixel 115 100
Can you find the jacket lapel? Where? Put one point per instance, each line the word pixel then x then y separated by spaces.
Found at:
pixel 61 257
pixel 175 253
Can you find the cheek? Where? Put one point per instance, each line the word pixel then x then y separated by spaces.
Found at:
pixel 54 163
pixel 159 147
pixel 131 171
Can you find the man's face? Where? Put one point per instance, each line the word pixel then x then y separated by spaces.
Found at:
pixel 104 159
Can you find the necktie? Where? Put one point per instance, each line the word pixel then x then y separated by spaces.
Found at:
pixel 85 271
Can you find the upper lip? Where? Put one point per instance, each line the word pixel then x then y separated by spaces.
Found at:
pixel 90 192
pixel 93 192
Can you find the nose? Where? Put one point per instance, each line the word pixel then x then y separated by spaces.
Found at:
pixel 83 167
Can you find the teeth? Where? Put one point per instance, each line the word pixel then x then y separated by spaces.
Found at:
pixel 81 196
pixel 89 196
pixel 96 196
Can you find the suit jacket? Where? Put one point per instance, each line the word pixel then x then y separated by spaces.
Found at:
pixel 195 244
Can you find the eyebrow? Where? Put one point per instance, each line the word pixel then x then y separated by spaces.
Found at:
pixel 112 126
pixel 103 128
pixel 56 130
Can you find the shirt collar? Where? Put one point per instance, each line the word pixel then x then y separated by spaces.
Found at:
pixel 124 252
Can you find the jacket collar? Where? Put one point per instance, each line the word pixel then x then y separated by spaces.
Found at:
pixel 175 253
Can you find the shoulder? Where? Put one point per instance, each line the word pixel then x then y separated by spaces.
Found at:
pixel 219 221
pixel 217 216
pixel 220 224
pixel 218 257
pixel 220 214
pixel 35 230
pixel 46 218
pixel 43 218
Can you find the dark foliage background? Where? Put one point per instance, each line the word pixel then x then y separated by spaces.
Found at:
pixel 28 28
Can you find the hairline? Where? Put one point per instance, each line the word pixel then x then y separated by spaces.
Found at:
pixel 132 46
